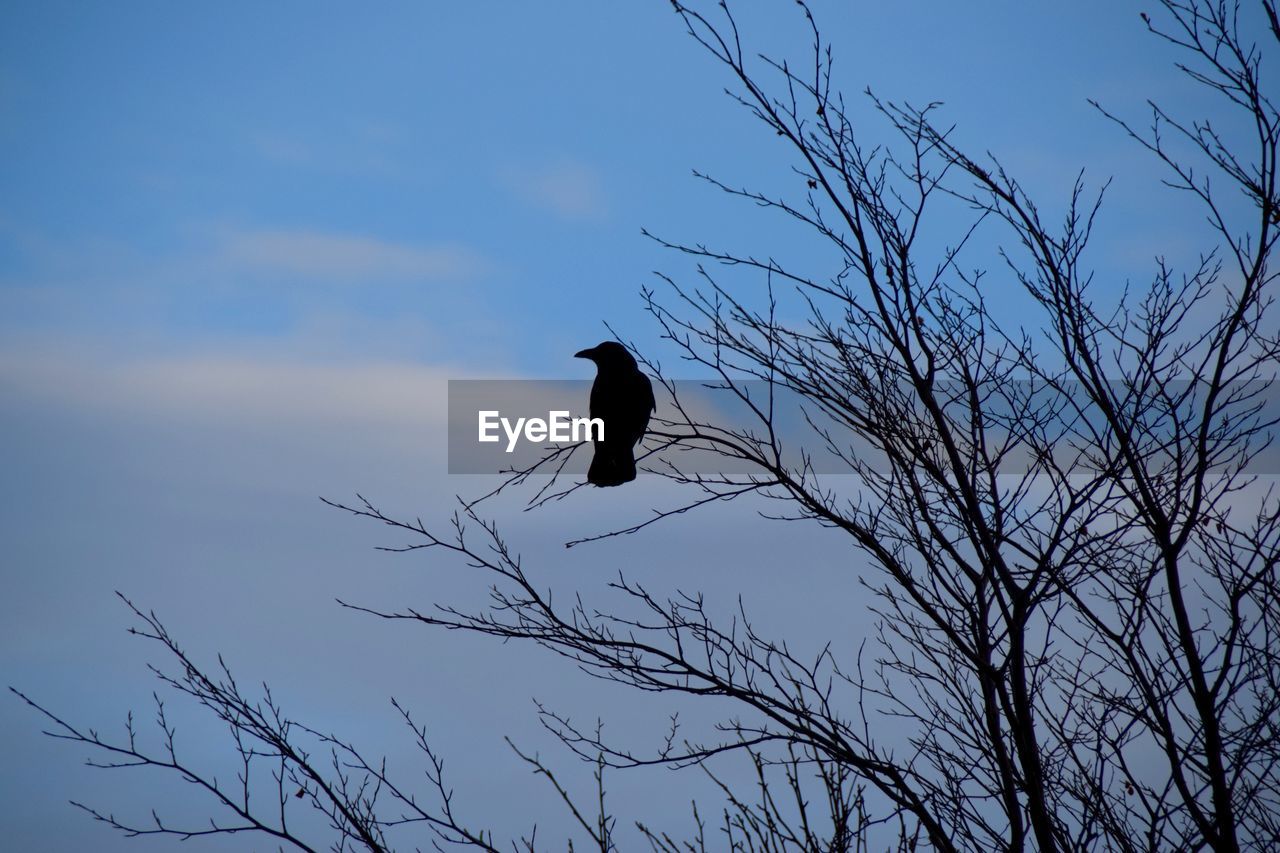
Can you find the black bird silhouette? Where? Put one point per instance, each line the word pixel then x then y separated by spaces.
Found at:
pixel 622 397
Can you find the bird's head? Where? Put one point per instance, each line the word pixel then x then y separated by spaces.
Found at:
pixel 609 354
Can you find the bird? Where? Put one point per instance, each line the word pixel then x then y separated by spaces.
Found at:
pixel 622 398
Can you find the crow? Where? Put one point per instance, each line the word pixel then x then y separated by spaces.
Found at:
pixel 621 397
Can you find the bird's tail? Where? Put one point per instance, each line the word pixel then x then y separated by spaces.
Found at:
pixel 610 467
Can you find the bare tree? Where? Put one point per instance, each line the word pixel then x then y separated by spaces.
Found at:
pixel 1074 562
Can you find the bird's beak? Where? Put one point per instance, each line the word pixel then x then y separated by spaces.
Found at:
pixel 586 353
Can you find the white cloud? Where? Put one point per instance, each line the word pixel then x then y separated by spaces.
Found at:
pixel 568 189
pixel 239 391
pixel 345 145
pixel 335 256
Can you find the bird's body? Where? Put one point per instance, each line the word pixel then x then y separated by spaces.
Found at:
pixel 621 397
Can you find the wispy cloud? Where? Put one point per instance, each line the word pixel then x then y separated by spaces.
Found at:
pixel 368 147
pixel 311 294
pixel 232 390
pixel 568 189
pixel 335 256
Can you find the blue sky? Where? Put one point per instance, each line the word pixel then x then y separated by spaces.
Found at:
pixel 285 175
pixel 243 245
